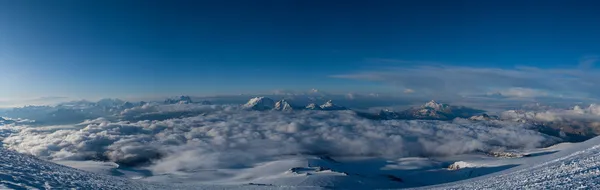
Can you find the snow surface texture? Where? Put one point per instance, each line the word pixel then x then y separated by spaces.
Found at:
pixel 576 167
pixel 18 171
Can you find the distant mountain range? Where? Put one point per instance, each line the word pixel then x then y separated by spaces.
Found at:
pixel 431 110
pixel 576 128
pixel 264 103
pixel 78 111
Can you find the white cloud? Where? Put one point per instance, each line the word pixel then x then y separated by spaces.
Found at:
pixel 521 81
pixel 16 102
pixel 577 113
pixel 226 136
pixel 162 112
pixel 522 92
pixel 350 96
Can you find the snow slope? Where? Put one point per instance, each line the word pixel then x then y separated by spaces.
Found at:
pixel 19 171
pixel 283 105
pixel 574 166
pixel 260 104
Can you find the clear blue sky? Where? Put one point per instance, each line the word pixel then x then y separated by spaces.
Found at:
pixel 128 48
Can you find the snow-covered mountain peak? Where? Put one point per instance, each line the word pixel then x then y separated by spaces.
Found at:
pixel 260 103
pixel 483 117
pixel 312 106
pixel 179 100
pixel 431 110
pixel 329 105
pixel 434 105
pixel 283 105
pixel 127 105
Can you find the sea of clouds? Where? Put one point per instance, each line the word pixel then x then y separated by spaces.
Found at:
pixel 185 137
pixel 590 113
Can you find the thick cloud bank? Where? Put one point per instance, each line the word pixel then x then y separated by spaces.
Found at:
pixel 590 113
pixel 578 123
pixel 227 136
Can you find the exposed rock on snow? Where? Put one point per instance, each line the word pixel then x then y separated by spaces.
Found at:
pixel 431 110
pixel 127 105
pixel 435 106
pixel 264 103
pixel 329 105
pixel 459 165
pixel 388 114
pixel 483 117
pixel 260 104
pixel 283 105
pixel 506 154
pixel 313 106
pixel 575 167
pixel 180 100
pixel 438 111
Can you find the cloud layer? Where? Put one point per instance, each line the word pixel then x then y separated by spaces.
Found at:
pixel 226 137
pixel 577 113
pixel 519 82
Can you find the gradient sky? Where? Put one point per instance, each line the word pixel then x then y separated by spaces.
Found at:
pixel 88 49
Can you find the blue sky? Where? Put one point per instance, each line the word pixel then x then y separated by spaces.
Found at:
pixel 88 49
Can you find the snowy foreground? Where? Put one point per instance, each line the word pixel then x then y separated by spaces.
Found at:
pixel 574 166
pixel 564 166
pixel 18 171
